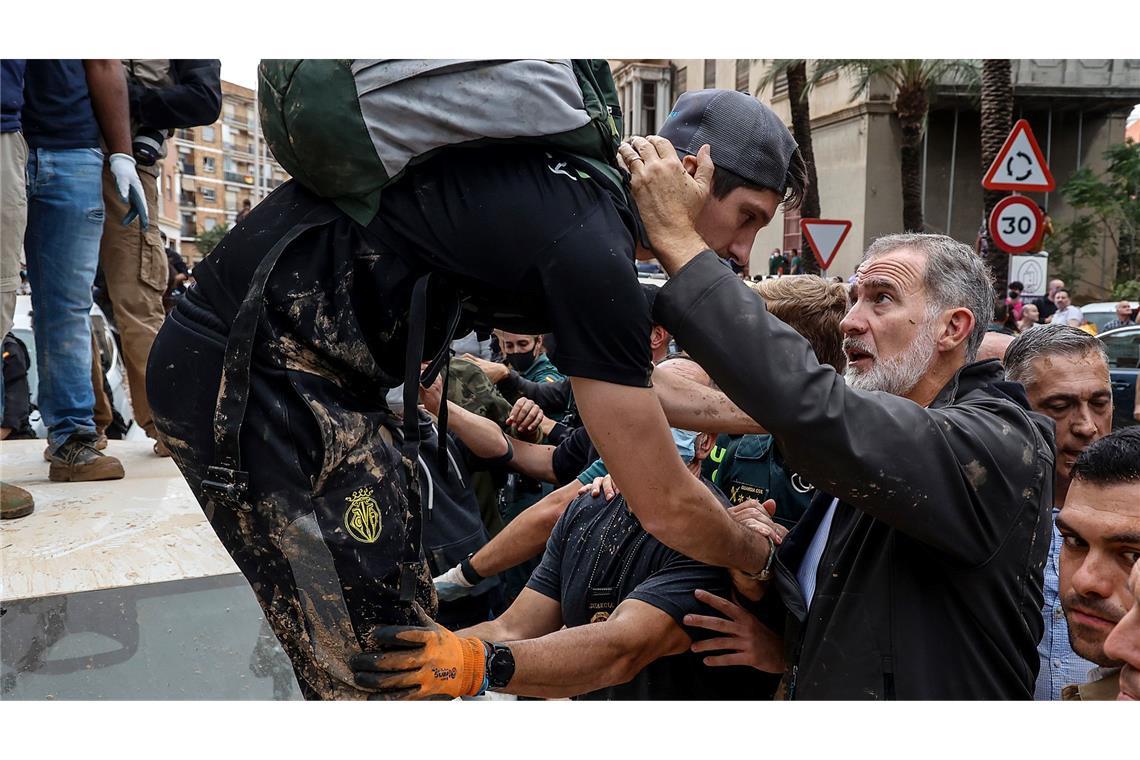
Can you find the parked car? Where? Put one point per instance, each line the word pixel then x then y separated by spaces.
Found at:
pixel 113 368
pixel 1123 348
pixel 1103 312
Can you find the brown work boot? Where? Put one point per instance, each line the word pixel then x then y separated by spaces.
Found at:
pixel 100 443
pixel 15 502
pixel 78 460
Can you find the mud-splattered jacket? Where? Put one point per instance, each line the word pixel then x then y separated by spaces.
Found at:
pixel 929 586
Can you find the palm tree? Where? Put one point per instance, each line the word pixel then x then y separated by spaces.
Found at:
pixel 997 118
pixel 913 80
pixel 795 69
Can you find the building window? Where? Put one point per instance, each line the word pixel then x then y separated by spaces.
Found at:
pixel 742 68
pixel 792 239
pixel 208 164
pixel 209 194
pixel 710 73
pixel 210 223
pixel 208 134
pixel 231 200
pixel 681 80
pixel 188 226
pixel 780 85
pixel 648 106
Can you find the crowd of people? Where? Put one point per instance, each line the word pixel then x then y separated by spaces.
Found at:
pixel 81 143
pixel 460 449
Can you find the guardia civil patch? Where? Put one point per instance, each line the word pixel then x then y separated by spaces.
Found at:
pixel 362 518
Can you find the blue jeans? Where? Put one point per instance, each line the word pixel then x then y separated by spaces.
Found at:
pixel 65 223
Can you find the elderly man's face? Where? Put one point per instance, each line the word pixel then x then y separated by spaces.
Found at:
pixel 1076 392
pixel 1100 525
pixel 1123 644
pixel 889 337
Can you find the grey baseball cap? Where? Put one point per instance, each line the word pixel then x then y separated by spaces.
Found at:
pixel 747 137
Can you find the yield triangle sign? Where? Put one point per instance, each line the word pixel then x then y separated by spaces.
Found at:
pixel 825 236
pixel 1019 165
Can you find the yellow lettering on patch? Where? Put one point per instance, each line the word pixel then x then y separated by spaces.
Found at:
pixel 362 518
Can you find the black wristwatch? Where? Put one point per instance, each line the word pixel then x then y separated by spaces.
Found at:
pixel 500 665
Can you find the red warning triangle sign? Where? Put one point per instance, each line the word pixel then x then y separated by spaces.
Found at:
pixel 1020 165
pixel 825 236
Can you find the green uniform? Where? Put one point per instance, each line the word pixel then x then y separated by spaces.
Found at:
pixel 711 465
pixel 754 468
pixel 470 388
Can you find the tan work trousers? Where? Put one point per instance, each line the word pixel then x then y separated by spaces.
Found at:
pixel 13 181
pixel 135 271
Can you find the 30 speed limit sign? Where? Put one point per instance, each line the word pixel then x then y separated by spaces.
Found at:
pixel 1016 224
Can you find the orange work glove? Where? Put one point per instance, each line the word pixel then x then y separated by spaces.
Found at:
pixel 418 662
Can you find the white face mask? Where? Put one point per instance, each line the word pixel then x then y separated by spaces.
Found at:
pixel 395 399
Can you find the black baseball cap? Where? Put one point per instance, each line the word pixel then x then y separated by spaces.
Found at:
pixel 747 137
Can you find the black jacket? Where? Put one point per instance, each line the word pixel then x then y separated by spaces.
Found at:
pixel 930 584
pixel 194 99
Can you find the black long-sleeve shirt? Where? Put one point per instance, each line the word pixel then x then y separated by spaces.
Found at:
pixel 195 98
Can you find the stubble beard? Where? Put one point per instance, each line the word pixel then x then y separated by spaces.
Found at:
pixel 898 374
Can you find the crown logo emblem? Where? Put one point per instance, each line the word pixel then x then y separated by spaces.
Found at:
pixel 362 517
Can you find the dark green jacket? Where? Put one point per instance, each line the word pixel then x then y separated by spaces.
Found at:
pixel 754 468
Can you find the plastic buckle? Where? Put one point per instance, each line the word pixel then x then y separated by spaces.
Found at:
pixel 226 484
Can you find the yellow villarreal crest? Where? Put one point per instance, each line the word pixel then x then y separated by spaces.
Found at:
pixel 362 518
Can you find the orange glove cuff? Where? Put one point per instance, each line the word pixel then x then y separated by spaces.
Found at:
pixel 474 666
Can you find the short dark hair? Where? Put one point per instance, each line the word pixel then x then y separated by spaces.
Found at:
pixel 725 181
pixel 1001 311
pixel 1061 290
pixel 1113 460
pixel 1016 285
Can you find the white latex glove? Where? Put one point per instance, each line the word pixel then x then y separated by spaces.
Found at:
pixel 452 585
pixel 130 187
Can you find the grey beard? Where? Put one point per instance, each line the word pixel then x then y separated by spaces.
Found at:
pixel 899 374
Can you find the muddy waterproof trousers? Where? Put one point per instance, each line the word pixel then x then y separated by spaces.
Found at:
pixel 324 524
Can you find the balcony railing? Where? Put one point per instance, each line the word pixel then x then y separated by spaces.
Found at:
pixel 237 121
pixel 188 169
pixel 188 231
pixel 246 179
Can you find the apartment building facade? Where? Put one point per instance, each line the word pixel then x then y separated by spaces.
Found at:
pixel 218 168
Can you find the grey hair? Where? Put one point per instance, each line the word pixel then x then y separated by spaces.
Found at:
pixel 1047 340
pixel 955 277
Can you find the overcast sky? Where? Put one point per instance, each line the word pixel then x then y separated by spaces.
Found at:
pixel 241 71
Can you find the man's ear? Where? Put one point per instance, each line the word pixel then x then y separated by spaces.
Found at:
pixel 704 444
pixel 538 344
pixel 690 164
pixel 958 328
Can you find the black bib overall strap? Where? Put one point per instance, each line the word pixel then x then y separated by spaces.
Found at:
pixel 225 480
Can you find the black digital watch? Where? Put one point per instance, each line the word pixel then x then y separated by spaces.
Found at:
pixel 500 665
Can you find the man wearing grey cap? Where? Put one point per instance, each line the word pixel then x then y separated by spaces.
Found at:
pixel 530 239
pixel 916 572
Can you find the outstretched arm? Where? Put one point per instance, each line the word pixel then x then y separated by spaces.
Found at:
pixel 586 658
pixel 629 429
pixel 691 406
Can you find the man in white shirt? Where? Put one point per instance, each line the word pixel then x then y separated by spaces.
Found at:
pixel 1067 314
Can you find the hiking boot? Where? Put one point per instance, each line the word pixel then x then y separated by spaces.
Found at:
pixel 79 460
pixel 15 502
pixel 100 443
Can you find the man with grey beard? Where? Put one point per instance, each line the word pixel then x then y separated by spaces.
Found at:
pixel 916 572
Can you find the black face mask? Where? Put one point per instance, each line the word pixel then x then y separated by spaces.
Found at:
pixel 520 362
